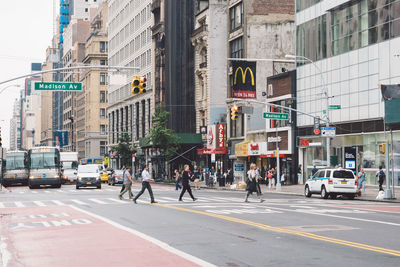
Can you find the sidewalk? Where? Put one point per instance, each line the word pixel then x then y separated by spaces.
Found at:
pixel 298 190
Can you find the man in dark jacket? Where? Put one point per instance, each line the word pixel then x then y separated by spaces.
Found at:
pixel 185 183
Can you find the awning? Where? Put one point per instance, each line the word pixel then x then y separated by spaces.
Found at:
pixel 241 149
pixel 184 139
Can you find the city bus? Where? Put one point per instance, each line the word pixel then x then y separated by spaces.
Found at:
pixel 44 167
pixel 16 169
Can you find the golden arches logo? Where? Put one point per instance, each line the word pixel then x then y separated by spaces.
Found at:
pixel 244 73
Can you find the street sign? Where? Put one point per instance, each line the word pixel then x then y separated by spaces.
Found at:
pixel 58 86
pixel 275 116
pixel 328 131
pixel 335 107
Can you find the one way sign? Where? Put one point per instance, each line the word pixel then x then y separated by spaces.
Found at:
pixel 328 131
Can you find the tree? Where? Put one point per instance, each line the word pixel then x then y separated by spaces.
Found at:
pixel 124 150
pixel 162 137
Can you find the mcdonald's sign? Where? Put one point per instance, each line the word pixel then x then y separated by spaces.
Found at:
pixel 244 79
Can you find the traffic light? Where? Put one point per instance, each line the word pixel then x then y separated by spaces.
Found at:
pixel 234 112
pixel 135 85
pixel 382 148
pixel 142 85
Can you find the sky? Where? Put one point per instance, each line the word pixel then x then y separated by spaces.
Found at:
pixel 26 29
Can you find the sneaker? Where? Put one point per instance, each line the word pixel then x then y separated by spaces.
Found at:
pixel 153 202
pixel 194 199
pixel 120 197
pixel 181 200
pixel 262 200
pixel 134 201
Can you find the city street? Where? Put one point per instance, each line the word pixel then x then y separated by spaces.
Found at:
pixel 92 227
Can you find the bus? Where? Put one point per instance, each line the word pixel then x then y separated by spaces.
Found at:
pixel 16 169
pixel 44 167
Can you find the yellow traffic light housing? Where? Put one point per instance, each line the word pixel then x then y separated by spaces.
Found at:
pixel 142 85
pixel 382 148
pixel 135 85
pixel 234 112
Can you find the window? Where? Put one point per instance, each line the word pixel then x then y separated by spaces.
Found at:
pixel 102 148
pixel 102 96
pixel 103 47
pixel 103 77
pixel 102 113
pixel 303 4
pixel 236 48
pixel 102 129
pixel 86 10
pixel 236 17
pixel 103 62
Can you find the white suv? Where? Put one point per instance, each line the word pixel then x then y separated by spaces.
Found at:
pixel 332 182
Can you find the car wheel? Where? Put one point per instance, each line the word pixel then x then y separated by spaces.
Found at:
pixel 333 196
pixel 77 186
pixel 307 192
pixel 324 194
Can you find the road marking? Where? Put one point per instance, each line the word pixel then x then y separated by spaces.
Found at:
pixel 39 203
pixel 97 201
pixel 170 199
pixel 58 202
pixel 118 200
pixel 337 216
pixel 1 205
pixel 288 231
pixel 59 190
pixel 157 242
pixel 21 192
pixel 78 202
pixel 19 204
pixel 47 191
pixel 33 192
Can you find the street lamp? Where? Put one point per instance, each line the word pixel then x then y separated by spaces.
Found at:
pixel 16 85
pixel 328 155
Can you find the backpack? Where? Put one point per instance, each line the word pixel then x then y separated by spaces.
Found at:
pixel 381 176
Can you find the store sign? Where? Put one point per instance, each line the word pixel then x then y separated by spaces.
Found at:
pixel 208 151
pixel 244 79
pixel 211 139
pixel 256 149
pixel 305 142
pixel 350 158
pixel 241 149
pixel 274 139
pixel 221 135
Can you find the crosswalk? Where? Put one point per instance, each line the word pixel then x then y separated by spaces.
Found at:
pixel 70 190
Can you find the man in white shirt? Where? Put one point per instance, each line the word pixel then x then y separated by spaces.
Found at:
pixel 145 184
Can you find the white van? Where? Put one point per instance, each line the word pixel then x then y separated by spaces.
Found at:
pixel 332 182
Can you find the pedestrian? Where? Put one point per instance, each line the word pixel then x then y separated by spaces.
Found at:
pixel 361 180
pixel 230 176
pixel 177 179
pixel 123 186
pixel 251 183
pixel 258 179
pixel 275 176
pixel 314 170
pixel 207 176
pixel 270 178
pixel 212 176
pixel 127 183
pixel 299 177
pixel 185 183
pixel 146 185
pixel 196 176
pixel 381 177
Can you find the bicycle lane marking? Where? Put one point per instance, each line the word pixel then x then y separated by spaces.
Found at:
pixel 36 234
pixel 288 231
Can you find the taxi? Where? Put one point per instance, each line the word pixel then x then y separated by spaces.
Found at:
pixel 332 182
pixel 104 176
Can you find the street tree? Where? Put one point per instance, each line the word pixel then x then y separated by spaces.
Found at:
pixel 124 150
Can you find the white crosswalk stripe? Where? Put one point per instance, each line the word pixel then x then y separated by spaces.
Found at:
pixel 19 204
pixel 1 205
pixel 118 201
pixel 78 202
pixel 47 191
pixel 97 201
pixel 58 202
pixel 39 203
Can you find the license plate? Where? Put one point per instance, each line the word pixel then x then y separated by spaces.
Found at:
pixel 344 182
pixel 88 183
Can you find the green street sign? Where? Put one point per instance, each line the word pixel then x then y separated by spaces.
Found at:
pixel 58 86
pixel 335 107
pixel 324 111
pixel 275 116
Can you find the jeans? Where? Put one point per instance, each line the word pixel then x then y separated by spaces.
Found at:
pixel 361 182
pixel 145 185
pixel 177 185
pixel 127 189
pixel 299 180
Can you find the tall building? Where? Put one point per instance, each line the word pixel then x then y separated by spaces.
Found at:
pixel 91 103
pixel 130 44
pixel 15 126
pixel 256 30
pixel 353 46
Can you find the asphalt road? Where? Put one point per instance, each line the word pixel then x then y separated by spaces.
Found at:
pixel 219 228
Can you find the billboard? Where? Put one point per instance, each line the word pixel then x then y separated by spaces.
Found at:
pixel 244 79
pixel 60 138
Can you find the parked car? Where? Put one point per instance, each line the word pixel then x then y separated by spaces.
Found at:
pixel 332 182
pixel 88 175
pixel 116 177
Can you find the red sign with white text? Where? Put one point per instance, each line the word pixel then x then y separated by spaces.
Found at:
pixel 221 135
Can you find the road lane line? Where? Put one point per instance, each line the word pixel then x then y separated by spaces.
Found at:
pixel 47 191
pixel 289 231
pixel 78 202
pixel 97 201
pixel 118 200
pixel 337 216
pixel 33 192
pixel 2 205
pixel 58 202
pixel 153 240
pixel 40 203
pixel 19 204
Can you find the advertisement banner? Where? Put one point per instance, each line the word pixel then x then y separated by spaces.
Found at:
pixel 244 79
pixel 211 138
pixel 257 149
pixel 60 138
pixel 221 135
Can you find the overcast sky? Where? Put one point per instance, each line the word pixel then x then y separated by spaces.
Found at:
pixel 26 29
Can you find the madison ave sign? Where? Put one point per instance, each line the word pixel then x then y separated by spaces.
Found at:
pixel 58 86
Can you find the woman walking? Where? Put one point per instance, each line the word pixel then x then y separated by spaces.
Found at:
pixel 177 179
pixel 361 180
pixel 185 183
pixel 251 182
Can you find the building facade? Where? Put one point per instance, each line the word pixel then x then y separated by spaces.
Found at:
pixel 263 32
pixel 129 39
pixel 91 121
pixel 353 45
pixel 15 126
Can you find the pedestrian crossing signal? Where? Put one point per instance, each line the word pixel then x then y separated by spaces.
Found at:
pixel 234 112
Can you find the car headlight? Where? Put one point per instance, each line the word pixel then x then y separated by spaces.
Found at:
pixel 31 177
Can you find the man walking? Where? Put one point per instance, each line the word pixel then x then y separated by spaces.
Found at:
pixel 145 184
pixel 314 170
pixel 127 184
pixel 381 178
